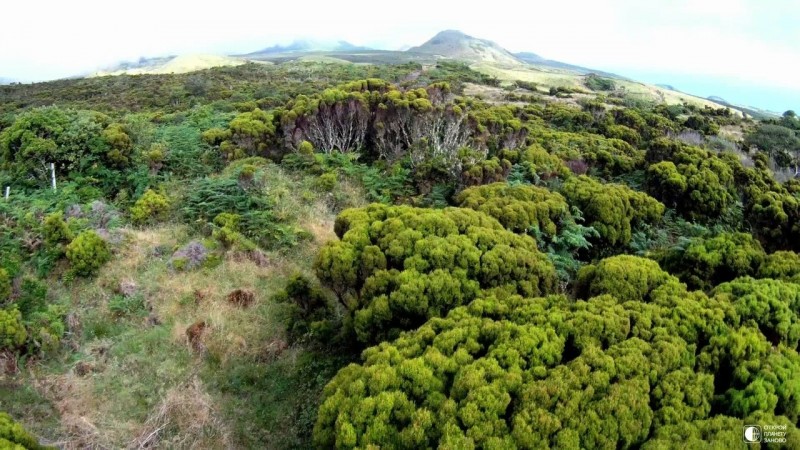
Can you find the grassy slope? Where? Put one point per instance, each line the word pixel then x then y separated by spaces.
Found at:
pixel 130 377
pixel 556 78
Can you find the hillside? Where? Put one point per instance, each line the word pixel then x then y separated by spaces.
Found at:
pixel 457 45
pixel 170 64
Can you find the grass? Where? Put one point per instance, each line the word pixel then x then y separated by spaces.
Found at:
pixel 127 376
pixel 547 78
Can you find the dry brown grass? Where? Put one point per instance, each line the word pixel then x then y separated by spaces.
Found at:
pixel 185 418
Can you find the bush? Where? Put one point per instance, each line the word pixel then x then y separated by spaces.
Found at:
pixel 695 182
pixel 626 277
pixel 706 262
pixel 517 208
pixel 55 230
pixel 14 437
pixel 326 182
pixel 309 311
pixel 611 209
pixel 5 285
pixel 87 253
pixel 150 207
pixel 781 265
pixel 556 373
pixel 12 331
pixel 397 266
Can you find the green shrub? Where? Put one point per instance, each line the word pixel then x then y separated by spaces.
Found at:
pixel 326 182
pixel 706 262
pixel 150 207
pixel 611 209
pixel 781 265
pixel 12 331
pixel 55 230
pixel 14 437
pixel 397 266
pixel 698 184
pixel 5 285
pixel 518 208
pixel 87 253
pixel 46 328
pixel 556 373
pixel 625 277
pixel 309 309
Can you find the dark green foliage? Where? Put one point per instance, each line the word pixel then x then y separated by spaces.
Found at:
pixel 395 266
pixel 14 437
pixel 87 253
pixel 310 311
pixel 79 143
pixel 210 197
pixel 775 217
pixel 705 262
pixel 611 209
pixel 597 83
pixel 780 142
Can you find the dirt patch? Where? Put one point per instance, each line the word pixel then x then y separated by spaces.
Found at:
pixel 242 298
pixel 195 334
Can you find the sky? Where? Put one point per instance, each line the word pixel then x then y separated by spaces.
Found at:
pixel 746 51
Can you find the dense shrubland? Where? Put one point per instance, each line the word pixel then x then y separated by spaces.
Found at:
pixel 490 288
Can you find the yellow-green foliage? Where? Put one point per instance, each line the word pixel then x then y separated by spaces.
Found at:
pixel 517 208
pixel 694 181
pixel 608 156
pixel 706 262
pixel 607 372
pixel 772 304
pixel 781 265
pixel 14 437
pixel 150 207
pixel 226 232
pixel 55 230
pixel 5 284
pixel 611 209
pixel 397 266
pixel 326 182
pixel 542 164
pixel 12 331
pixel 216 136
pixel 87 253
pixel 625 277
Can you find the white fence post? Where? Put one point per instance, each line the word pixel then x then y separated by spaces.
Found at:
pixel 8 191
pixel 53 174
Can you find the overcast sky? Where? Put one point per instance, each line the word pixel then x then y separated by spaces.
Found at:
pixel 747 50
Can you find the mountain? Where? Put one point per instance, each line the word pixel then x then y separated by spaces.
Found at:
pixel 6 80
pixel 457 45
pixel 305 45
pixel 536 60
